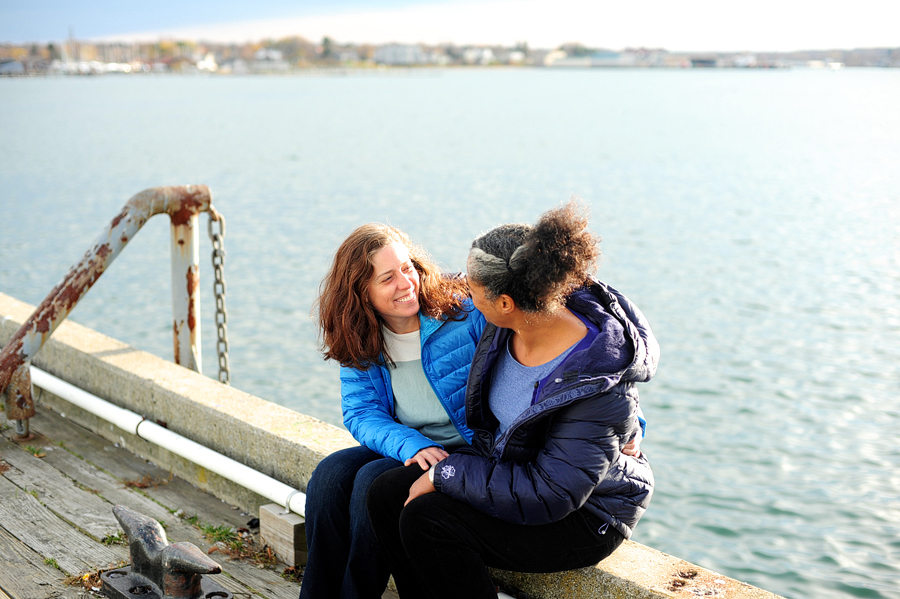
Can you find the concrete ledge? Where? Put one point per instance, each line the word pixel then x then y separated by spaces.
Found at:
pixel 287 446
pixel 633 571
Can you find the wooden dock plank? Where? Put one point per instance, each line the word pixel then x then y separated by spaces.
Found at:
pixel 23 574
pixel 125 466
pixel 58 492
pixel 81 445
pixel 43 531
pixel 235 588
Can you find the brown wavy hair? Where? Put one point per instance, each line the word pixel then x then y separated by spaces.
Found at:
pixel 350 327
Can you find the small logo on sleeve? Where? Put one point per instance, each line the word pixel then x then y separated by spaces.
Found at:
pixel 447 471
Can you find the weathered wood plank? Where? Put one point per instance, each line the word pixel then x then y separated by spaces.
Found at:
pixel 192 500
pixel 40 529
pixel 238 590
pixel 125 466
pixel 23 574
pixel 58 492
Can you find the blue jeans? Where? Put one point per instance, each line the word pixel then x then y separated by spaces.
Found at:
pixel 344 560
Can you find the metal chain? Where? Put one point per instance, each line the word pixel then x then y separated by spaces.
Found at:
pixel 218 263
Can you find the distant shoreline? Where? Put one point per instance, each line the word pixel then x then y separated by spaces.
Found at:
pixel 297 55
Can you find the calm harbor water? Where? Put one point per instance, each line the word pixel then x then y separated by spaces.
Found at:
pixel 753 215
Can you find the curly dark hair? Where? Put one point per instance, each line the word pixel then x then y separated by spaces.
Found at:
pixel 349 325
pixel 537 266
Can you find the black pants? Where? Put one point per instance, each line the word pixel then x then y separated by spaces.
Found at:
pixel 440 547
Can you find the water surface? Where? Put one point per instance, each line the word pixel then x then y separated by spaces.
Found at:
pixel 754 216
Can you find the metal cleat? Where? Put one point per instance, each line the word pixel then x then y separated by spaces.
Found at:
pixel 159 570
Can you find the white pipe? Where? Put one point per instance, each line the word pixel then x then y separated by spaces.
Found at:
pixel 124 419
pixel 135 424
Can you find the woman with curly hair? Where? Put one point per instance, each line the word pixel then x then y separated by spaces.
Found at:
pixel 404 335
pixel 547 483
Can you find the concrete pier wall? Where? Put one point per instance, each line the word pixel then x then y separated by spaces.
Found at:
pixel 287 446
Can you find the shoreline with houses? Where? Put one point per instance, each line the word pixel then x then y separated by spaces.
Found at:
pixel 298 55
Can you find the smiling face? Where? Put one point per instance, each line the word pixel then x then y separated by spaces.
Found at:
pixel 394 288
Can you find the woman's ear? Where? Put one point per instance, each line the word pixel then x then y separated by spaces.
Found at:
pixel 505 304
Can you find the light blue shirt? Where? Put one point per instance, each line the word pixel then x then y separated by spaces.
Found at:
pixel 513 385
pixel 415 403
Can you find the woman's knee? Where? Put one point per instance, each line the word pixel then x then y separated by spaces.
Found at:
pixel 386 495
pixel 380 492
pixel 368 473
pixel 334 475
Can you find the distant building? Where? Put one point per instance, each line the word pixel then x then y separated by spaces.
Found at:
pixel 269 60
pixel 600 58
pixel 745 62
pixel 608 58
pixel 704 62
pixel 271 54
pixel 347 55
pixel 478 56
pixel 208 63
pixel 400 54
pixel 11 67
pixel 550 58
pixel 515 57
pixel 181 64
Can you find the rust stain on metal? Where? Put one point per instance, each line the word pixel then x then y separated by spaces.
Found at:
pixel 189 203
pixel 66 295
pixel 175 331
pixel 193 284
pixel 8 361
pixel 118 218
pixel 19 403
pixel 181 584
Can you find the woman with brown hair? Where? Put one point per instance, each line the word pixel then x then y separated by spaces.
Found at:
pixel 548 483
pixel 404 335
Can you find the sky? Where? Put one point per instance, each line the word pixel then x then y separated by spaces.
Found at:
pixel 688 25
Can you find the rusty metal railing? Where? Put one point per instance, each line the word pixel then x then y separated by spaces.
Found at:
pixel 183 204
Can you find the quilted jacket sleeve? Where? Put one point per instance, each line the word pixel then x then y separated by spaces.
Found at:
pixel 368 417
pixel 579 448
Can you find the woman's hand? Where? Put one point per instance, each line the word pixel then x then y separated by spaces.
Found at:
pixel 422 486
pixel 633 448
pixel 428 457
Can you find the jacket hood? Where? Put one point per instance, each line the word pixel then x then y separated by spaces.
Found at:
pixel 591 300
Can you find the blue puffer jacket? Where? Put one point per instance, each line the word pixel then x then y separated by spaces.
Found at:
pixel 562 453
pixel 367 398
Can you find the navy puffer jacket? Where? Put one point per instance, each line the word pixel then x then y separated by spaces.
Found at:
pixel 563 453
